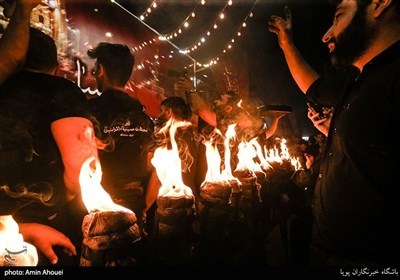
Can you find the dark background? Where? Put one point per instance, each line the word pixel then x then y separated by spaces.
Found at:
pixel 269 79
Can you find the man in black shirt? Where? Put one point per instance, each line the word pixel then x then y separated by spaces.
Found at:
pixel 123 127
pixel 43 144
pixel 355 207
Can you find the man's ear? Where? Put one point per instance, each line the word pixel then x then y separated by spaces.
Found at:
pixel 228 109
pixel 380 6
pixel 100 71
pixel 168 113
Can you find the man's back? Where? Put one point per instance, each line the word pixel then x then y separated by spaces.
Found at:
pixel 126 129
pixel 34 101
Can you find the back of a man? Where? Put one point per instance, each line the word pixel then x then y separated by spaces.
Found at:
pixel 123 127
pixel 30 103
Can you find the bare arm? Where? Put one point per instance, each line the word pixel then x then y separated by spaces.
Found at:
pixel 76 141
pixel 303 74
pixel 14 42
pixel 201 108
pixel 273 126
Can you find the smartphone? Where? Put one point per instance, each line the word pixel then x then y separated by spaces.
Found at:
pixel 317 108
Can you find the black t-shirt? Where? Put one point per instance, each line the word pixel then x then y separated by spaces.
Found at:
pixel 29 103
pixel 122 124
pixel 356 207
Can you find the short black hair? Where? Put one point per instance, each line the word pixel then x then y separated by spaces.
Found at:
pixel 178 106
pixel 42 51
pixel 117 60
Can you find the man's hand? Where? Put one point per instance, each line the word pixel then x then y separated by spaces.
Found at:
pixel 44 238
pixel 282 28
pixel 322 124
pixel 184 84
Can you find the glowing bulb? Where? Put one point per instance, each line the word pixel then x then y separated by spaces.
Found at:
pixel 215 26
pixel 203 39
pixel 154 5
pixel 221 16
pixel 244 24
pixel 193 14
pixel 142 17
pixel 186 24
pixel 230 2
pixel 203 2
pixel 239 34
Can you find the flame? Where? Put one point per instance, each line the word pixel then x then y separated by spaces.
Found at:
pixel 214 173
pixel 13 250
pixel 276 155
pixel 169 165
pixel 94 196
pixel 248 152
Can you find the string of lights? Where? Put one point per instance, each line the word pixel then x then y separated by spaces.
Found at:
pixel 214 25
pixel 195 46
pixel 185 23
pixel 229 45
pixel 148 11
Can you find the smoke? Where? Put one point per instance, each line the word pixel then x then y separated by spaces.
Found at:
pixel 20 196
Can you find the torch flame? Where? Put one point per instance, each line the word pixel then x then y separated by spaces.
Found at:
pixel 276 155
pixel 169 165
pixel 94 196
pixel 247 154
pixel 214 173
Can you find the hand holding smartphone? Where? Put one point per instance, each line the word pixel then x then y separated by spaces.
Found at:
pixel 317 108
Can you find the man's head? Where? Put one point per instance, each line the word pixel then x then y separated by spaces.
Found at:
pixel 174 106
pixel 42 53
pixel 114 64
pixel 356 25
pixel 227 102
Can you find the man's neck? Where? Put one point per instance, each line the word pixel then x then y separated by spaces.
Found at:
pixel 386 38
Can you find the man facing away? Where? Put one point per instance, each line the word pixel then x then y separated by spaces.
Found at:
pixel 123 127
pixel 52 139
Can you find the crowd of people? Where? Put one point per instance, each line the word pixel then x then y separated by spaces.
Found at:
pixel 348 184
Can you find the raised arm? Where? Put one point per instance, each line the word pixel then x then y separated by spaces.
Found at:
pixel 303 74
pixel 14 42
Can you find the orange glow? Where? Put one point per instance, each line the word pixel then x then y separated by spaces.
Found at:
pixel 214 173
pixel 276 155
pixel 169 165
pixel 247 154
pixel 94 196
pixel 13 250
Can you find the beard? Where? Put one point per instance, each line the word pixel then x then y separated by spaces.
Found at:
pixel 354 40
